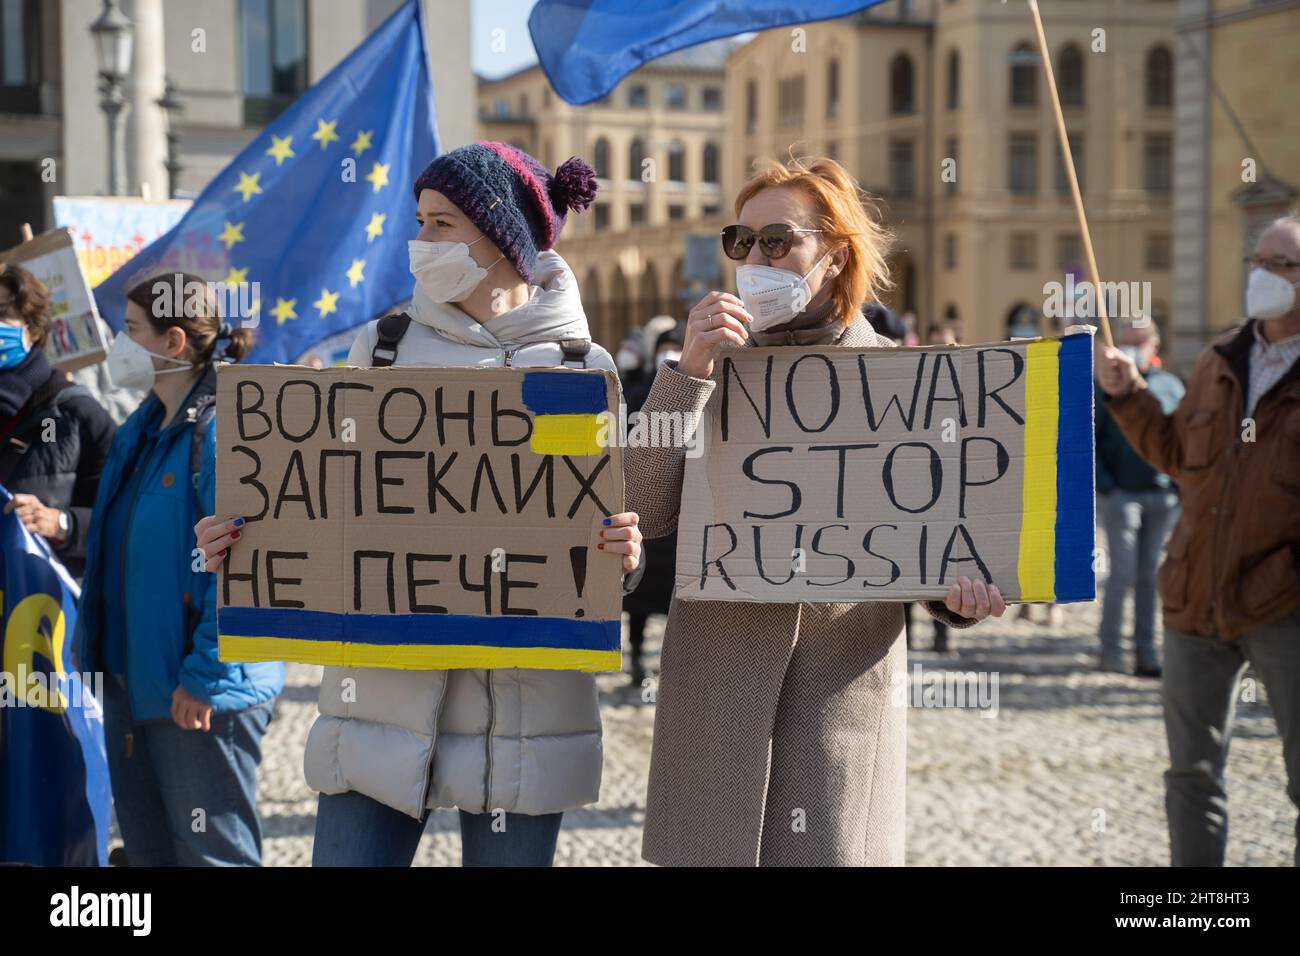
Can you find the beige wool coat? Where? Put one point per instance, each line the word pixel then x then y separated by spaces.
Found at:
pixel 775 739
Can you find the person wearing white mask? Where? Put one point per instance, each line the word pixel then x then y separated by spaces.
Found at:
pixel 182 728
pixel 769 710
pixel 1230 582
pixel 511 748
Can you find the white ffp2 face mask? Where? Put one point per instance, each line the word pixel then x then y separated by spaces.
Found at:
pixel 1268 295
pixel 445 271
pixel 130 364
pixel 771 295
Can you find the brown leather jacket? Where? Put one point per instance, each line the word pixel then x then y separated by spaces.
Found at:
pixel 1233 561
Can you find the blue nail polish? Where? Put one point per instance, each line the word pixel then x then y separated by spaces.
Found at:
pixel 606 521
pixel 238 522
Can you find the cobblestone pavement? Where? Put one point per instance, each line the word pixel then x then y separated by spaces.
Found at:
pixel 1067 772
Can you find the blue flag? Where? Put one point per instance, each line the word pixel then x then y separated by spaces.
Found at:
pixel 307 229
pixel 586 46
pixel 54 791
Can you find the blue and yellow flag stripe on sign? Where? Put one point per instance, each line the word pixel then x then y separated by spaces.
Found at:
pixel 418 641
pixel 1057 529
pixel 566 407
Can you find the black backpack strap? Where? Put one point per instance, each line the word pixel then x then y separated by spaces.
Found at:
pixel 575 352
pixel 390 330
pixel 205 412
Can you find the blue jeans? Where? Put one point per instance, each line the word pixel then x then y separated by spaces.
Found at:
pixel 1136 525
pixel 1201 680
pixel 185 797
pixel 355 830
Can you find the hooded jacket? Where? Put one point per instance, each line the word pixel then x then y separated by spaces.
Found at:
pixel 516 739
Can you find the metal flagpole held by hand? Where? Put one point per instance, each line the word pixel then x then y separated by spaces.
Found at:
pixel 1070 175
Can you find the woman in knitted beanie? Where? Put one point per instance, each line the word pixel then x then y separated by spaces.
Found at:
pixel 511 748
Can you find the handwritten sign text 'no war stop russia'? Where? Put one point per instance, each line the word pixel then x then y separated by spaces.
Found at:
pixel 418 518
pixel 883 474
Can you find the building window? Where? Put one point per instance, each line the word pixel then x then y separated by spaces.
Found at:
pixel 501 108
pixel 901 175
pixel 636 95
pixel 274 49
pixel 1160 78
pixel 950 251
pixel 1023 62
pixel 523 104
pixel 710 163
pixel 954 79
pixel 1022 164
pixel 901 94
pixel 833 88
pixel 676 162
pixel 1024 251
pixel 675 96
pixel 546 99
pixel 600 157
pixel 833 149
pixel 635 159
pixel 1076 150
pixel 636 214
pixel 751 106
pixel 789 101
pixel 1159 251
pixel 1157 163
pixel 711 210
pixel 20 45
pixel 950 186
pixel 1069 252
pixel 602 216
pixel 676 212
pixel 711 98
pixel 1069 77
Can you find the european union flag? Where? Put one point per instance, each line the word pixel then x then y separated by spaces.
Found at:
pixel 308 226
pixel 586 46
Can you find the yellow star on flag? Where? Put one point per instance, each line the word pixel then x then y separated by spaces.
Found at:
pixel 248 185
pixel 328 302
pixel 378 176
pixel 362 142
pixel 325 132
pixel 357 273
pixel 376 226
pixel 236 276
pixel 233 233
pixel 280 148
pixel 283 310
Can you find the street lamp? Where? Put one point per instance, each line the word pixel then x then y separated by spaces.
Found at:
pixel 173 106
pixel 113 41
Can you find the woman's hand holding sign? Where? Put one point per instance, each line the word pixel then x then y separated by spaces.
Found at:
pixel 214 536
pixel 719 319
pixel 972 599
pixel 622 536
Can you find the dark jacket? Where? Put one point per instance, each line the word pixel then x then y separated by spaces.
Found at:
pixel 64 472
pixel 1233 561
pixel 1119 466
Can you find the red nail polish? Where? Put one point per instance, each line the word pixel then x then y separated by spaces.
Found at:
pixel 601 546
pixel 234 536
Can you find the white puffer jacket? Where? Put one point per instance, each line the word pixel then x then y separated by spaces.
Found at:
pixel 520 740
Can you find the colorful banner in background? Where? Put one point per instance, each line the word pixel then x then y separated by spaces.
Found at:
pixel 55 799
pixel 108 231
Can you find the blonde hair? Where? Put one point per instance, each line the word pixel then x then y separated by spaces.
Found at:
pixel 848 218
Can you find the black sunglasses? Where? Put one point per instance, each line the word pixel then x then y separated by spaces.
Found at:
pixel 774 241
pixel 1272 262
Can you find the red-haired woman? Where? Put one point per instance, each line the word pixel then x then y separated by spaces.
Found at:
pixel 776 742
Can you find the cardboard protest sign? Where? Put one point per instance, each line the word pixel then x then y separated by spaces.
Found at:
pixel 418 518
pixel 847 475
pixel 75 339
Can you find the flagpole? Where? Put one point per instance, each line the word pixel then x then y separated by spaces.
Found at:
pixel 1068 158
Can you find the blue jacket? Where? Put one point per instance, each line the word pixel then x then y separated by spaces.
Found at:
pixel 1119 466
pixel 171 607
